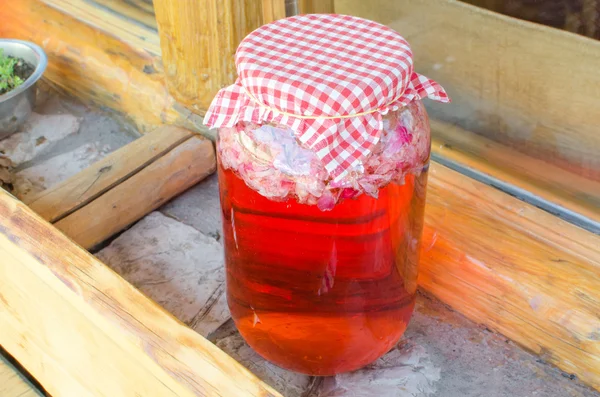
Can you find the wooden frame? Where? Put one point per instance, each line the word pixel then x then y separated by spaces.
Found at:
pixel 101 316
pixel 98 202
pixel 536 279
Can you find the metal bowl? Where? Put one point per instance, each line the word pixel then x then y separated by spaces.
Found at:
pixel 17 105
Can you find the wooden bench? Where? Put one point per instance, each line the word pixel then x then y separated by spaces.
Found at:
pixel 511 237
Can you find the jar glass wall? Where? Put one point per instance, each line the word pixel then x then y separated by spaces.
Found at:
pixel 321 277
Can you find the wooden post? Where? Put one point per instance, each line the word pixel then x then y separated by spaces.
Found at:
pixel 277 9
pixel 273 10
pixel 198 39
pixel 315 6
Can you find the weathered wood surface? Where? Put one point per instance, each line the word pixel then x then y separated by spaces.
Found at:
pixel 316 6
pixel 273 10
pixel 61 200
pixel 12 383
pixel 137 348
pixel 198 41
pixel 142 192
pixel 501 262
pixel 534 88
pixel 564 189
pixel 140 11
pixel 99 65
pixel 115 17
pixel 515 268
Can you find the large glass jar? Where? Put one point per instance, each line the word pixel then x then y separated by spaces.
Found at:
pixel 322 281
pixel 323 151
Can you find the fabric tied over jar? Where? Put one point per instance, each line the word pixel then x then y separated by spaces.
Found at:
pixel 329 80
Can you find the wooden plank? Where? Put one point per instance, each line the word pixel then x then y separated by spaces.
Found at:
pixel 13 383
pixel 61 200
pixel 273 10
pixel 316 6
pixel 515 268
pixel 99 65
pixel 531 87
pixel 143 192
pixel 137 348
pixel 576 197
pixel 199 40
pixel 114 17
pixel 140 11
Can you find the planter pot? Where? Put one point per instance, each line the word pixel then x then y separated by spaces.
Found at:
pixel 17 105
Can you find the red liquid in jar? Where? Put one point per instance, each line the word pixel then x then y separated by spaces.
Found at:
pixel 322 292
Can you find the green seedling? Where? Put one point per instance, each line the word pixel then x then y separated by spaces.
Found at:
pixel 8 79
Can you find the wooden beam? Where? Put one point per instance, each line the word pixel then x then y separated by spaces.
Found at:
pixel 145 191
pixel 199 40
pixel 565 192
pixel 316 6
pixel 140 11
pixel 107 53
pixel 57 202
pixel 129 183
pixel 123 19
pixel 110 340
pixel 515 268
pixel 531 87
pixel 273 10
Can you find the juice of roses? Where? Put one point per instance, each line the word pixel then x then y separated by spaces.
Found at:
pixel 322 291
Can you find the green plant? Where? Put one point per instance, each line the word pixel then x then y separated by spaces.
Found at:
pixel 8 79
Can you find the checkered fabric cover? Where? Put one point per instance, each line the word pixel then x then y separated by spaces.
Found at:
pixel 330 78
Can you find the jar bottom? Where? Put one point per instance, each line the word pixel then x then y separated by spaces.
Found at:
pixel 321 344
pixel 321 292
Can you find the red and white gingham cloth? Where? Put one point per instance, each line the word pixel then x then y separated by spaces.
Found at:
pixel 330 78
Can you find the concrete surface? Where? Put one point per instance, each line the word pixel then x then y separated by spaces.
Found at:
pixel 40 175
pixel 39 133
pixel 175 256
pixel 61 138
pixel 288 383
pixel 442 354
pixel 474 361
pixel 198 207
pixel 177 266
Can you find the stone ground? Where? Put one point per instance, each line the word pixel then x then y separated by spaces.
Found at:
pixel 175 256
pixel 61 138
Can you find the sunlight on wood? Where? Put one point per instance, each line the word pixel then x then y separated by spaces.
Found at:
pixel 198 41
pixel 138 348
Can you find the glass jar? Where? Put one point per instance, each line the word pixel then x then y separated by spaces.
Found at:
pixel 322 195
pixel 322 281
